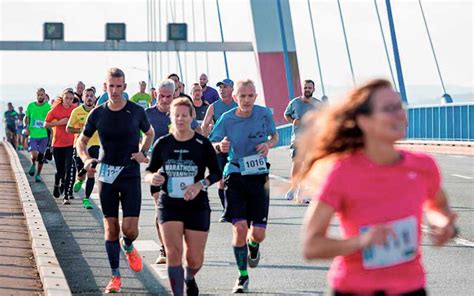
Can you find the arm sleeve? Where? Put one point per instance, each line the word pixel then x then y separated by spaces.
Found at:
pixel 270 123
pixel 289 110
pixel 218 131
pixel 331 190
pixel 91 124
pixel 50 116
pixel 144 122
pixel 155 161
pixel 215 173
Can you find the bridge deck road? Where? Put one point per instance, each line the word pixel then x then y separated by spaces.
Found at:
pixel 76 235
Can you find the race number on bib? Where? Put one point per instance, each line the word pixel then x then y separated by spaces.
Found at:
pixel 144 104
pixel 108 173
pixel 253 165
pixel 38 124
pixel 396 250
pixel 177 186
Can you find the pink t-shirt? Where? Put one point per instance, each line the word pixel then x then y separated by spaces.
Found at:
pixel 364 193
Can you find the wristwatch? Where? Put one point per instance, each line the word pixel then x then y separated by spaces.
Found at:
pixel 218 148
pixel 204 185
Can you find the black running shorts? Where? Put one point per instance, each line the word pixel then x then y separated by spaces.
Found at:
pixel 248 198
pixel 126 191
pixel 198 219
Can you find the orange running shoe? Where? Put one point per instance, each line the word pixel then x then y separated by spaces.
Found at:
pixel 134 260
pixel 114 285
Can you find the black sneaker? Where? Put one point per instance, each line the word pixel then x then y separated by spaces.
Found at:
pixel 71 196
pixel 241 285
pixel 56 191
pixel 66 201
pixel 192 288
pixel 254 255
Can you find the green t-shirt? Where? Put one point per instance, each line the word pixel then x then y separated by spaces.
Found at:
pixel 142 99
pixel 37 114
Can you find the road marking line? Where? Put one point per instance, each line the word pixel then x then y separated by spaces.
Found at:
pixel 146 245
pixel 160 270
pixel 457 240
pixel 457 156
pixel 463 177
pixel 278 178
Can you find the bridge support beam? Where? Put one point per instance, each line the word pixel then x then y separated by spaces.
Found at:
pixel 276 53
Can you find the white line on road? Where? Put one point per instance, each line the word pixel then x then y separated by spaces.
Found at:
pixel 278 178
pixel 457 156
pixel 461 176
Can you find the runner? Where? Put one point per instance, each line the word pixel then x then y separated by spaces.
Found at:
pixel 377 191
pixel 74 126
pixel 178 165
pixel 214 112
pixel 209 94
pixel 118 123
pixel 10 117
pixel 159 118
pixel 244 133
pixel 153 96
pixel 34 129
pixel 62 144
pixel 79 92
pixel 294 114
pixel 199 105
pixel 142 98
pixel 21 140
pixel 179 87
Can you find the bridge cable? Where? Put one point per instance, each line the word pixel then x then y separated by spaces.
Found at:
pixel 432 47
pixel 185 53
pixel 194 39
pixel 148 39
pixel 161 39
pixel 222 38
pixel 347 43
pixel 178 58
pixel 205 34
pixel 385 45
pixel 316 48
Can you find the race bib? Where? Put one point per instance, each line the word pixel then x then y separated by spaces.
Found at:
pixel 177 186
pixel 144 104
pixel 108 173
pixel 396 250
pixel 253 165
pixel 38 124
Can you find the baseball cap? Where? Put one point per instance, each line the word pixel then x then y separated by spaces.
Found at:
pixel 226 82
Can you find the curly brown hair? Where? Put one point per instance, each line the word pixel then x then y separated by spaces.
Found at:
pixel 334 130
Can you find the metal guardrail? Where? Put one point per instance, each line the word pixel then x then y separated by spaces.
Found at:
pixel 444 122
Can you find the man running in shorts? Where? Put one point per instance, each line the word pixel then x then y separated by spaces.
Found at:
pixel 159 118
pixel 214 112
pixel 74 126
pixel 247 133
pixel 294 113
pixel 118 123
pixel 34 129
pixel 142 98
pixel 10 118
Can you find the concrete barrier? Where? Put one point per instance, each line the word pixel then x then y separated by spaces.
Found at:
pixel 52 276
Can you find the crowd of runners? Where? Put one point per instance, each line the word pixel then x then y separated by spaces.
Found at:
pixel 345 151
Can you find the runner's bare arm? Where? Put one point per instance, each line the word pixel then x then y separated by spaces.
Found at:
pixel 81 146
pixel 207 120
pixel 316 244
pixel 441 218
pixel 147 140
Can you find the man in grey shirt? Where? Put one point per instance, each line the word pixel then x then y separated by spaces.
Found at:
pixel 294 113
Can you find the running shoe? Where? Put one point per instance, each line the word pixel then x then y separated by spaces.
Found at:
pixel 162 257
pixel 254 255
pixel 222 219
pixel 134 259
pixel 191 288
pixel 290 195
pixel 32 170
pixel 77 186
pixel 241 285
pixel 66 201
pixel 38 179
pixel 56 191
pixel 86 203
pixel 114 285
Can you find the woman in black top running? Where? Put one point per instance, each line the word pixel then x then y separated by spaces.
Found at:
pixel 177 165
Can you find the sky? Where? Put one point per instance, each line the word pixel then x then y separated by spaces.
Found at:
pixel 450 23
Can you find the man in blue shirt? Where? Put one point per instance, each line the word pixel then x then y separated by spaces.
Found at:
pixel 209 94
pixel 294 113
pixel 246 132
